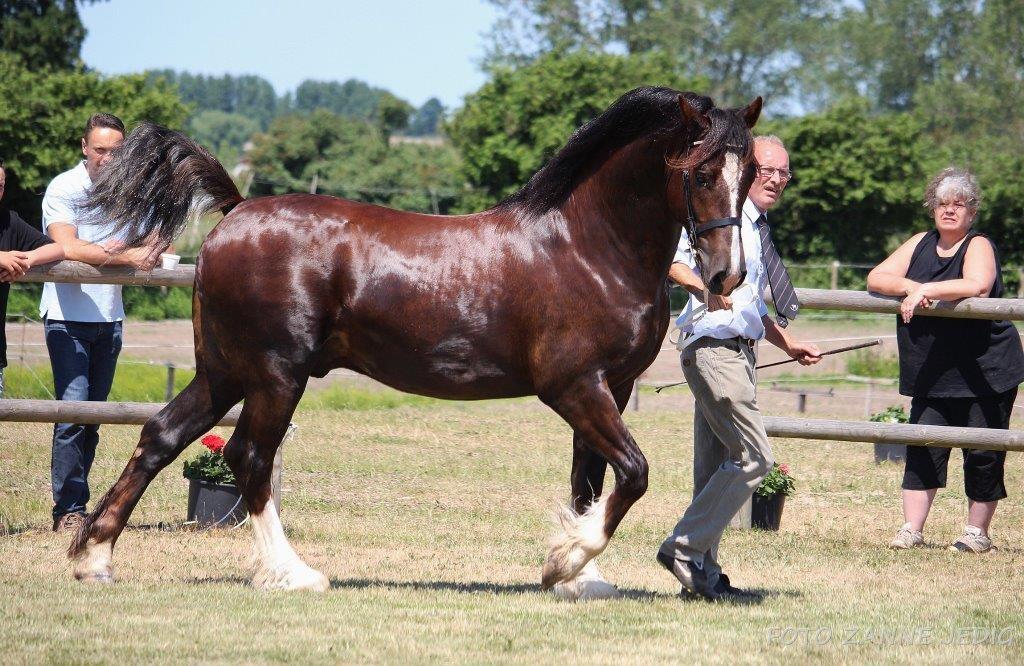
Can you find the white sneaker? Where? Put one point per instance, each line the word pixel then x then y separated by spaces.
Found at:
pixel 907 538
pixel 973 540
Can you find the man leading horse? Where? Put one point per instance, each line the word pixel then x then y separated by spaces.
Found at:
pixel 731 453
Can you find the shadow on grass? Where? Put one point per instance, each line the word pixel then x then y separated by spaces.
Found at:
pixel 440 585
pixel 759 595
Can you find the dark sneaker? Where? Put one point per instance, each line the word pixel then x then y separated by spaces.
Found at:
pixel 725 590
pixel 690 575
pixel 69 522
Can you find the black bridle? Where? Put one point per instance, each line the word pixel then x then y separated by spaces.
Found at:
pixel 695 228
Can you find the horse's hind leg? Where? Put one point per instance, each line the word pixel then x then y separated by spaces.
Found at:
pixel 592 410
pixel 191 413
pixel 250 453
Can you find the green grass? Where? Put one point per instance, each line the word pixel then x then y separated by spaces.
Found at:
pixel 148 383
pixel 132 382
pixel 345 397
pixel 870 363
pixel 431 523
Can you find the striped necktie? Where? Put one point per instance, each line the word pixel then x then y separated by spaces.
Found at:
pixel 786 303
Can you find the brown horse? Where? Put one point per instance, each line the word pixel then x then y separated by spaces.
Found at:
pixel 558 291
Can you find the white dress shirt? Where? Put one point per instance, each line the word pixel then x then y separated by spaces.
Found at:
pixel 77 302
pixel 748 306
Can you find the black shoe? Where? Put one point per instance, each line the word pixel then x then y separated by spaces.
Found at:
pixel 690 575
pixel 724 589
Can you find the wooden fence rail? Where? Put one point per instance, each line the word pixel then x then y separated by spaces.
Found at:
pixel 811 299
pixel 51 411
pixel 137 413
pixel 100 413
pixel 948 437
pixel 77 272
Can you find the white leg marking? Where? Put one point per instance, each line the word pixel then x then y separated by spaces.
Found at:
pixel 94 565
pixel 587 585
pixel 580 539
pixel 278 567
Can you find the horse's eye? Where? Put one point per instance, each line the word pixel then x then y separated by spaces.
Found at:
pixel 703 180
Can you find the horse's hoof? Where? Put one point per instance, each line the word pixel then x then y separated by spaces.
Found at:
pixel 103 578
pixel 291 578
pixel 587 586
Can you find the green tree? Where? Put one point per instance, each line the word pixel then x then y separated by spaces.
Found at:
pixel 352 159
pixel 42 113
pixel 223 133
pixel 392 115
pixel 858 184
pixel 739 48
pixel 45 33
pixel 427 119
pixel 521 117
pixel 353 98
pixel 247 95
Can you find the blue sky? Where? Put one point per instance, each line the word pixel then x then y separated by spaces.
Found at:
pixel 415 49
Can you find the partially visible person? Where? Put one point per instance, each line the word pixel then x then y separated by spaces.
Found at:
pixel 22 246
pixel 82 321
pixel 958 372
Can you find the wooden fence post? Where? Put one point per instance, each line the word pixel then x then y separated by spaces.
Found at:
pixel 835 275
pixel 169 393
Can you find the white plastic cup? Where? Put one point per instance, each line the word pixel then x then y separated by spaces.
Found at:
pixel 169 261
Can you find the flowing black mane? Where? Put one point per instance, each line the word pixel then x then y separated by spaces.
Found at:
pixel 640 112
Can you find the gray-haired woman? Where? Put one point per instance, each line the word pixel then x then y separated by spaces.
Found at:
pixel 958 372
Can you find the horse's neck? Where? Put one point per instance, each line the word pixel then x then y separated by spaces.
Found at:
pixel 623 204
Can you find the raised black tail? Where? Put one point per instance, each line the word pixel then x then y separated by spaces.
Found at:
pixel 156 179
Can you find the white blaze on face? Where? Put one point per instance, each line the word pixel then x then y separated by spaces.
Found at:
pixel 731 176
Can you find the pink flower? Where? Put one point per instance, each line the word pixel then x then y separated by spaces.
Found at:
pixel 213 442
pixel 784 468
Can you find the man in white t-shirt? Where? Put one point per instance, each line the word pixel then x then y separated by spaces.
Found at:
pixel 731 453
pixel 82 321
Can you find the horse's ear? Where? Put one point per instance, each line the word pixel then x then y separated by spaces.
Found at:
pixel 751 113
pixel 692 116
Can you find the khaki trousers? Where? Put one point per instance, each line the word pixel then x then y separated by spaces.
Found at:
pixel 731 453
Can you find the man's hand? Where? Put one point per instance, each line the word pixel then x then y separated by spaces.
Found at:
pixel 805 353
pixel 142 258
pixel 716 302
pixel 13 265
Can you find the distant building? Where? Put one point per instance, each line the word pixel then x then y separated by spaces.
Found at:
pixel 434 140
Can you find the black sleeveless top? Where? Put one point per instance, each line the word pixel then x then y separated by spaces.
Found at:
pixel 955 358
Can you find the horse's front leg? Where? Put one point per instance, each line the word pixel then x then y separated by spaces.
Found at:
pixel 589 406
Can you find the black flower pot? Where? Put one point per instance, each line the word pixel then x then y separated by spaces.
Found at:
pixel 215 503
pixel 890 453
pixel 766 512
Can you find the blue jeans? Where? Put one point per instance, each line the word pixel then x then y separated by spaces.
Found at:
pixel 83 356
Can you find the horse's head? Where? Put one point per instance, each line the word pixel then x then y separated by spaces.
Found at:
pixel 711 174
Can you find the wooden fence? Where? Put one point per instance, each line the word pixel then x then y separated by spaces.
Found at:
pixel 47 411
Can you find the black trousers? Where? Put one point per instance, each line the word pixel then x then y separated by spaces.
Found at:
pixel 983 470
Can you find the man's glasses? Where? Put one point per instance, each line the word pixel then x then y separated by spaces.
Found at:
pixel 767 173
pixel 952 205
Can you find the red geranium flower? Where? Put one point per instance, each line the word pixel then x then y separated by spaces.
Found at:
pixel 213 442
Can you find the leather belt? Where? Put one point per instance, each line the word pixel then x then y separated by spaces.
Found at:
pixel 737 342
